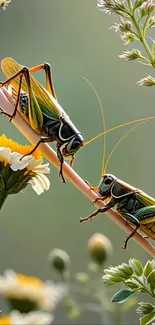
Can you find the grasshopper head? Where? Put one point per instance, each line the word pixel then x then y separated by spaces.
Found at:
pixel 73 146
pixel 106 184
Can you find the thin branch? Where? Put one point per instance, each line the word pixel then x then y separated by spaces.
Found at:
pixel 6 104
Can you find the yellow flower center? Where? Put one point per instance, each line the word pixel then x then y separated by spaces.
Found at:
pixel 15 147
pixel 25 281
pixel 5 320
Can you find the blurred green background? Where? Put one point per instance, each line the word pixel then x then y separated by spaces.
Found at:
pixel 74 37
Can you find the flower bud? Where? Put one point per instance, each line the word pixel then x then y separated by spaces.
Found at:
pixel 145 308
pixel 138 3
pixel 123 271
pixel 82 277
pixel 111 279
pixel 59 260
pixel 125 26
pixel 136 266
pixel 132 284
pixel 99 247
pixel 128 38
pixel 151 279
pixel 148 268
pixel 147 81
pixel 147 8
pixel 151 22
pixel 131 55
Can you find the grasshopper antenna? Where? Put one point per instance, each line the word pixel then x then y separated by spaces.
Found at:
pixel 117 144
pixel 103 121
pixel 105 131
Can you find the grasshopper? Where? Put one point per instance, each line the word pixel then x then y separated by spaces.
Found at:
pixel 40 109
pixel 134 205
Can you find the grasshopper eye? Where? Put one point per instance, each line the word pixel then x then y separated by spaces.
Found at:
pixel 108 180
pixel 75 145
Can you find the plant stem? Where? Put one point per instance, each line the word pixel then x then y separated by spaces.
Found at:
pixel 143 286
pixel 6 104
pixel 143 41
pixel 140 34
pixel 118 315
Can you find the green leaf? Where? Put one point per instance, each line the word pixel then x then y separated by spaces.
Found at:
pixel 2 183
pixel 122 296
pixel 136 266
pixel 147 319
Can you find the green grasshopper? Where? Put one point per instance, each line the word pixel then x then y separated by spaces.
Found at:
pixel 134 205
pixel 41 110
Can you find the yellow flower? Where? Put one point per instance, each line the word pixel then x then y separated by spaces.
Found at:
pixel 36 317
pixel 27 293
pixel 21 172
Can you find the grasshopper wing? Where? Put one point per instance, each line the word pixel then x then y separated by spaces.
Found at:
pixel 145 199
pixel 48 104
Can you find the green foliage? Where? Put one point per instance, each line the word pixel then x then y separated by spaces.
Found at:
pixel 135 20
pixel 136 279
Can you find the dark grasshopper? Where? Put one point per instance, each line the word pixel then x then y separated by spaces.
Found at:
pixel 135 206
pixel 40 108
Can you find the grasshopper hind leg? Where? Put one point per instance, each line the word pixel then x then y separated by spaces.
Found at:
pixel 130 218
pixel 130 236
pixel 11 116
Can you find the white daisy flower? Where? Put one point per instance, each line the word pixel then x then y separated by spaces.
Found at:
pixel 28 293
pixel 31 167
pixel 4 4
pixel 32 318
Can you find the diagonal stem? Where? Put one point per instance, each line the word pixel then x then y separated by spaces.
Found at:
pixel 6 103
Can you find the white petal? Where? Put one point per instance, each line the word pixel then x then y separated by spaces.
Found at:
pixel 16 318
pixel 42 169
pixel 36 317
pixel 33 163
pixel 5 153
pixel 44 180
pixel 16 167
pixel 36 186
pixel 16 163
pixel 40 183
pixel 46 296
pixel 10 274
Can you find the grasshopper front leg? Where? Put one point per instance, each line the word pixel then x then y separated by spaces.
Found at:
pixel 42 140
pixel 61 159
pixel 92 188
pixel 110 205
